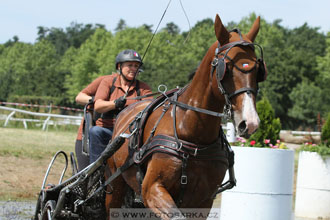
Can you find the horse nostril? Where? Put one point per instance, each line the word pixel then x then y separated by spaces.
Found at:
pixel 242 127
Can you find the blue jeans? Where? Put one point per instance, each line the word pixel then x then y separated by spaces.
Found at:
pixel 99 138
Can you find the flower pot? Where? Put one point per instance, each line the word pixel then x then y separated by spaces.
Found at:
pixel 313 186
pixel 264 185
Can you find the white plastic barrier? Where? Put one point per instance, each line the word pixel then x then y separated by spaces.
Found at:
pixel 231 134
pixel 313 186
pixel 264 185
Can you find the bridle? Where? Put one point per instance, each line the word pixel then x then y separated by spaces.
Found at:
pixel 219 65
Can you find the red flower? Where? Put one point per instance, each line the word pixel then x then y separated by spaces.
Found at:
pixel 252 143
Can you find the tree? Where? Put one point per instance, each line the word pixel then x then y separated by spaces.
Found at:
pixel 86 65
pixel 11 42
pixel 172 28
pixel 30 70
pixel 325 135
pixel 307 43
pixel 13 67
pixel 41 78
pixel 121 25
pixel 148 27
pixel 323 80
pixel 74 35
pixel 269 127
pixel 307 103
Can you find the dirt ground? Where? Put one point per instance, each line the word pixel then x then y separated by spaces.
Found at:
pixel 21 178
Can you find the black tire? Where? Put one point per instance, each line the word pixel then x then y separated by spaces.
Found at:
pixel 38 207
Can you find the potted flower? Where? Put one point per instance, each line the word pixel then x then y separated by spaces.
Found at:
pixel 264 170
pixel 313 178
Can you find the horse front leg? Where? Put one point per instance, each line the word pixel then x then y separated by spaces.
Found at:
pixel 162 174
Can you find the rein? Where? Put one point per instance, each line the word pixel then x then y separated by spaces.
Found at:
pixel 144 96
pixel 201 110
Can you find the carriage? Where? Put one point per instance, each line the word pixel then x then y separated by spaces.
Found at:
pixel 170 153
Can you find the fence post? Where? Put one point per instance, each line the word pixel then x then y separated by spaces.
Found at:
pixel 8 118
pixel 46 121
pixel 25 124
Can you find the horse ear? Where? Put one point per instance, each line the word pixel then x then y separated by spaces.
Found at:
pixel 220 31
pixel 254 30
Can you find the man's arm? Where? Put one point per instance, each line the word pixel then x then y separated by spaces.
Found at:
pixel 102 103
pixel 102 106
pixel 83 98
pixel 85 95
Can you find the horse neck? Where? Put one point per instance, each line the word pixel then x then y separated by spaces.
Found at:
pixel 199 126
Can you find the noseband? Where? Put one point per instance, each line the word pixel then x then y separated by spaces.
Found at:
pixel 219 65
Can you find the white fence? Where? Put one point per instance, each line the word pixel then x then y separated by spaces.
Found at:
pixel 76 120
pixel 61 119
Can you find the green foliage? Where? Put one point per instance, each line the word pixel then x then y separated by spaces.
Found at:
pixel 307 103
pixel 323 80
pixel 121 25
pixel 171 28
pixel 63 61
pixel 14 68
pixel 322 150
pixel 39 100
pixel 84 65
pixel 269 127
pixel 325 135
pixel 73 36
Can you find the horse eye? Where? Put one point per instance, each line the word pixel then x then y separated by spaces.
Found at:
pixel 229 69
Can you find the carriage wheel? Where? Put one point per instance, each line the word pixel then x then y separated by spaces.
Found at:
pixel 38 208
pixel 48 210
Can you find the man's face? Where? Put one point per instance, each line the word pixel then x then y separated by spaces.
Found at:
pixel 129 69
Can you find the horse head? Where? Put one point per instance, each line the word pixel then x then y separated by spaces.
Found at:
pixel 235 73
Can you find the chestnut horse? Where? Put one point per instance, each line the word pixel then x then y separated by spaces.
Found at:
pixel 225 81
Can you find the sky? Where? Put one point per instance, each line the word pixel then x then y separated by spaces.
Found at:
pixel 22 17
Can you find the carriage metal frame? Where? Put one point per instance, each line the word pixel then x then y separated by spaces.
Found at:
pixel 81 196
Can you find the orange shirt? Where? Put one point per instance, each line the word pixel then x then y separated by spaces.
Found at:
pixel 103 92
pixel 91 91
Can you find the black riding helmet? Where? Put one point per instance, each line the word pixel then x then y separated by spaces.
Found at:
pixel 128 55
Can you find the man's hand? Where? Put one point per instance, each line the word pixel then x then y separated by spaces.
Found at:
pixel 91 100
pixel 120 102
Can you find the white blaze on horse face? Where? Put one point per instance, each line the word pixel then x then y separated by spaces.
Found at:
pixel 249 113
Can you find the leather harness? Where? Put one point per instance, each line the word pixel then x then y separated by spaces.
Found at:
pixel 139 153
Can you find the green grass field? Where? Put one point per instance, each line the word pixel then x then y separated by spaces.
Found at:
pixel 35 143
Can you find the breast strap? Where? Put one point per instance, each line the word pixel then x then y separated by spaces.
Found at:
pixel 166 144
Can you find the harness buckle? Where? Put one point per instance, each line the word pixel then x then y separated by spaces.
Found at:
pixel 127 136
pixel 195 153
pixel 179 146
pixel 215 61
pixel 184 179
pixel 227 111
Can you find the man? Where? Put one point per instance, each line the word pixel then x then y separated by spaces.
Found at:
pixel 111 98
pixel 84 97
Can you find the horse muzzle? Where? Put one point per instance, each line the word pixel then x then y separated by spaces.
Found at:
pixel 247 128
